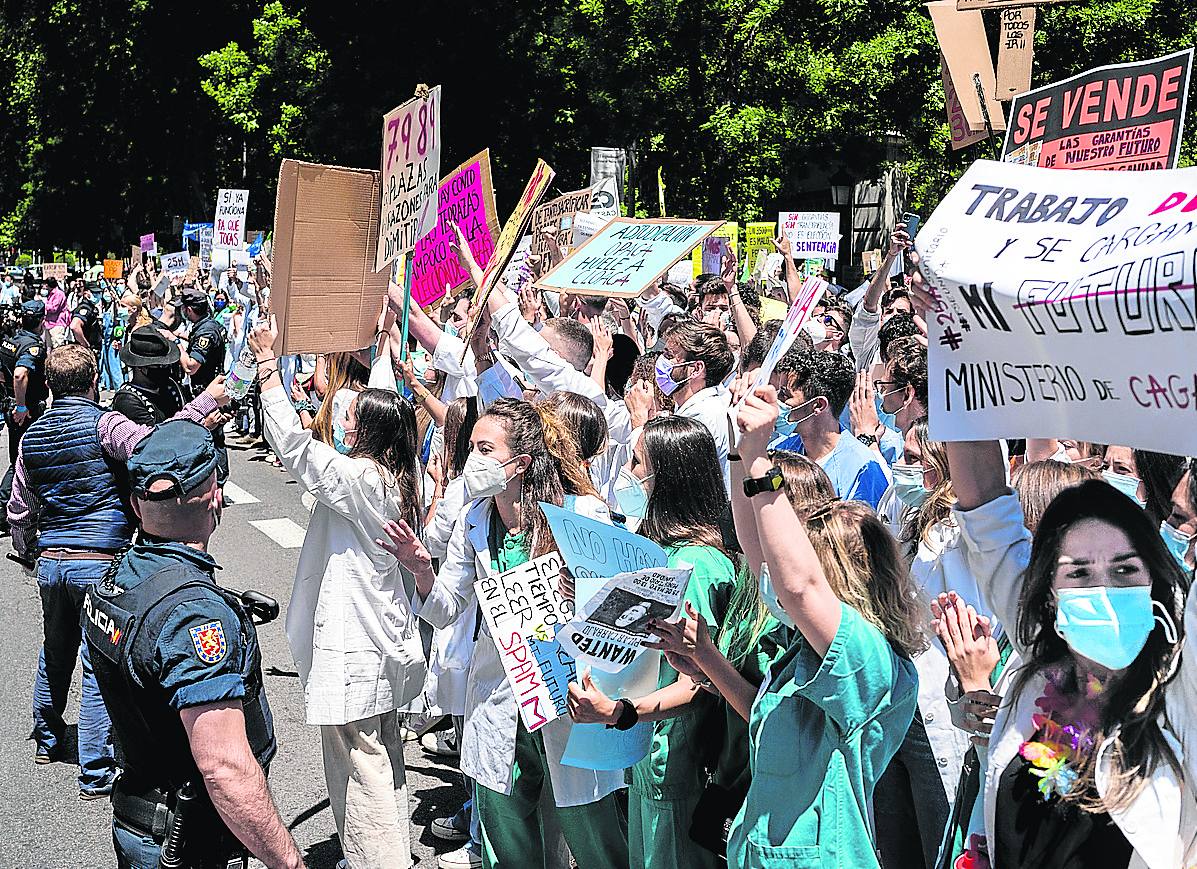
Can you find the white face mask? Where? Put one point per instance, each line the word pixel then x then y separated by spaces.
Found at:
pixel 485 477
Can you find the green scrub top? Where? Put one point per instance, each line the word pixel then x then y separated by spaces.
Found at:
pixel 685 745
pixel 821 733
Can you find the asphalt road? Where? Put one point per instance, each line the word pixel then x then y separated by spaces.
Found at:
pixel 43 822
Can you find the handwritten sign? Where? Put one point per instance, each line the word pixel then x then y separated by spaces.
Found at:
pixel 1066 306
pixel 205 245
pixel 411 171
pixel 523 610
pixel 811 292
pixel 592 548
pixel 228 231
pixel 626 256
pixel 557 215
pixel 58 271
pixel 147 243
pixel 707 258
pixel 176 263
pixel 114 270
pixel 758 236
pixel 965 48
pixel 466 197
pixel 811 233
pixel 962 136
pixel 1126 116
pixel 1016 50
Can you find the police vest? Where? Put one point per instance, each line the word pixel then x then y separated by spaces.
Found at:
pixel 82 491
pixel 11 349
pixel 121 629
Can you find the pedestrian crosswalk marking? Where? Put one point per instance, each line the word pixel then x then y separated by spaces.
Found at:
pixel 234 494
pixel 284 532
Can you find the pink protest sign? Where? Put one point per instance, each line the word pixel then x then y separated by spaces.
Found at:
pixel 147 243
pixel 465 197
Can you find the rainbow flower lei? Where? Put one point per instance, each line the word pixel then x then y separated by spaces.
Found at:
pixel 1055 752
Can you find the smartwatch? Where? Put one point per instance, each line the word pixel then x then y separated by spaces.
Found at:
pixel 628 716
pixel 771 482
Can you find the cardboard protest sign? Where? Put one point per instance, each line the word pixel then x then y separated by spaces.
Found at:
pixel 808 296
pixel 610 631
pixel 135 255
pixel 962 136
pixel 228 232
pixel 114 270
pixel 411 171
pixel 325 292
pixel 811 233
pixel 1066 306
pixel 1016 49
pixel 466 197
pixel 523 610
pixel 626 256
pixel 771 309
pixel 758 236
pixel 58 271
pixel 1002 4
pixel 707 258
pixel 965 49
pixel 557 215
pixel 147 243
pixel 1125 116
pixel 595 549
pixel 193 266
pixel 176 263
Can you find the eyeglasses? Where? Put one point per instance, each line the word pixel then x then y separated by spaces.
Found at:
pixel 829 320
pixel 879 385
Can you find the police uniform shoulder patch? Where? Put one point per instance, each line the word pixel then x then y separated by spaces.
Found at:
pixel 209 642
pixel 35 350
pixel 203 342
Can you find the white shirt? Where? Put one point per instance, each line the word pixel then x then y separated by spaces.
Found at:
pixel 710 406
pixel 350 625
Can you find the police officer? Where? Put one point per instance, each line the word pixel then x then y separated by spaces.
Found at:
pixel 203 357
pixel 87 320
pixel 154 393
pixel 23 373
pixel 177 661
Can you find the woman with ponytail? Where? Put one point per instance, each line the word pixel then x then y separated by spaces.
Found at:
pixel 520 455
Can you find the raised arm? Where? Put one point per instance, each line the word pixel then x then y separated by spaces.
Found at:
pixel 793 279
pixel 745 328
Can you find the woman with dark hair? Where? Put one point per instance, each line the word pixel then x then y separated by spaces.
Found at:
pixel 522 455
pixel 676 464
pixel 1159 474
pixel 1087 761
pixel 350 626
pixel 602 457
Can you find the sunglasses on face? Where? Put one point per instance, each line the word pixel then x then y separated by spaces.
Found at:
pixel 832 323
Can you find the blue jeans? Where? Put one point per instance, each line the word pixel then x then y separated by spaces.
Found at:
pixel 136 850
pixel 62 584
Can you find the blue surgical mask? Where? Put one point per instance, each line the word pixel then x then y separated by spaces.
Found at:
pixel 1126 484
pixel 1177 543
pixel 783 428
pixel 1109 624
pixel 631 495
pixel 339 432
pixel 219 304
pixel 886 419
pixel 664 375
pixel 769 598
pixel 908 484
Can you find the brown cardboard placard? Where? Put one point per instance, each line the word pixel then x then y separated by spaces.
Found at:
pixel 193 265
pixel 1016 50
pixel 558 215
pixel 964 5
pixel 965 47
pixel 325 293
pixel 134 256
pixel 962 136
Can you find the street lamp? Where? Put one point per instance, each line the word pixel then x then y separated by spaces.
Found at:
pixel 841 188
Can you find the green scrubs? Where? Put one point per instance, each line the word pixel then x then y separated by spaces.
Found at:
pixel 821 733
pixel 666 785
pixel 513 828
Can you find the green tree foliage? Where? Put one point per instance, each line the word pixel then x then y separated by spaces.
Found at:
pixel 120 114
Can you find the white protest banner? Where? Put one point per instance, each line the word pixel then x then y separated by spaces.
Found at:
pixel 605 203
pixel 523 609
pixel 811 233
pixel 586 224
pixel 176 263
pixel 612 628
pixel 517 273
pixel 411 174
pixel 626 256
pixel 1066 306
pixel 205 246
pixel 228 227
pixel 808 296
pixel 58 271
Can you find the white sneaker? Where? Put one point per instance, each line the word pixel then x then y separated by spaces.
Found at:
pixel 443 743
pixel 462 858
pixel 342 864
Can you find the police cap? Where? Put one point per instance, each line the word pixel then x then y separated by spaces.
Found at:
pixel 192 298
pixel 179 451
pixel 33 308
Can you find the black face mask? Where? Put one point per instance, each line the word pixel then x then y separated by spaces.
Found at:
pixel 159 375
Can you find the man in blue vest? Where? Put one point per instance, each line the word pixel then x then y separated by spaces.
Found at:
pixel 70 510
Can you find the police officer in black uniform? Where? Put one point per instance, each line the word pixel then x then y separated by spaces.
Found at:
pixel 177 661
pixel 23 377
pixel 203 357
pixel 87 320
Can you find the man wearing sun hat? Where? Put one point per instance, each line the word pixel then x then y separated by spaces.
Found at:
pixel 177 661
pixel 154 393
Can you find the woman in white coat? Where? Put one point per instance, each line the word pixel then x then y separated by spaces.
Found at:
pixel 1090 759
pixel 520 455
pixel 349 623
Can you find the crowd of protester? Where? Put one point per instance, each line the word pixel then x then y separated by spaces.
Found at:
pixel 893 651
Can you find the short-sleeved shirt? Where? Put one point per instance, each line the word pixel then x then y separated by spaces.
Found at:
pixel 206 346
pixel 88 313
pixel 822 731
pixel 27 351
pixel 855 470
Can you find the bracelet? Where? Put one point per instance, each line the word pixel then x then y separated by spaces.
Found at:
pixel 421 395
pixel 733 458
pixel 305 406
pixel 20 408
pixel 264 375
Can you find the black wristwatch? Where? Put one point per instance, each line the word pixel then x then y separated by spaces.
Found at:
pixel 771 482
pixel 867 439
pixel 628 716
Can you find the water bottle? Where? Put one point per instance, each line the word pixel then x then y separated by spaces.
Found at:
pixel 245 369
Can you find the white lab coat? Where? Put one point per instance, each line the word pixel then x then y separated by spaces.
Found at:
pixel 491 714
pixel 710 406
pixel 1161 822
pixel 349 624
